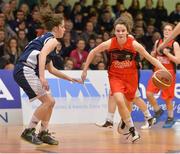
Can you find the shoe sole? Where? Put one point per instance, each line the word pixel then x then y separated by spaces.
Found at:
pixel 31 142
pixel 136 140
pixel 51 144
pixel 145 128
pixel 102 126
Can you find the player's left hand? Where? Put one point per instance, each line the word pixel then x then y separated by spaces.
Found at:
pixel 160 47
pixel 77 80
pixel 44 84
pixel 84 75
pixel 166 51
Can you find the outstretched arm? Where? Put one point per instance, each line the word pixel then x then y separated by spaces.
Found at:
pixel 100 48
pixel 146 55
pixel 175 33
pixel 59 74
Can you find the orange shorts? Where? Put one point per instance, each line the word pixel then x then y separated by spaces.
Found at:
pixel 126 84
pixel 165 94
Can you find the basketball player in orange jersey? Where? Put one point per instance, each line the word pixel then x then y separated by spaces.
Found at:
pixel 169 57
pixel 174 33
pixel 149 121
pixel 122 72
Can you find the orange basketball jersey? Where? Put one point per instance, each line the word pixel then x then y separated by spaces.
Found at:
pixel 163 58
pixel 123 76
pixel 122 58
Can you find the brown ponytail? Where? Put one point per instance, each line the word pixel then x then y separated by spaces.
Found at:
pixel 50 20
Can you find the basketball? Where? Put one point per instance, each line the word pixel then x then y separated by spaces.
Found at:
pixel 162 79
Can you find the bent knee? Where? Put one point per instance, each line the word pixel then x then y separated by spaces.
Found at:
pixel 50 102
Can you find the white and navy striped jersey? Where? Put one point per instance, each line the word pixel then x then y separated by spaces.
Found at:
pixel 30 54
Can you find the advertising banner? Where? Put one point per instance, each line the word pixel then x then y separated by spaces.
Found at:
pixel 75 103
pixel 9 91
pixel 87 103
pixel 10 101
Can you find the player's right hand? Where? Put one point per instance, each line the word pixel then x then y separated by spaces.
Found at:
pixel 77 80
pixel 84 75
pixel 44 84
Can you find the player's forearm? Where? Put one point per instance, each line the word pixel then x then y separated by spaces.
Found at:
pixel 173 58
pixel 89 60
pixel 61 75
pixel 42 60
pixel 158 64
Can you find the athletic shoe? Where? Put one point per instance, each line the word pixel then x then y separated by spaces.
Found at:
pixel 133 134
pixel 122 128
pixel 46 137
pixel 158 114
pixel 108 124
pixel 30 136
pixel 148 123
pixel 169 123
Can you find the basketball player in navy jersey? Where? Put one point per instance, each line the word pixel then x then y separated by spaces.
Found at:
pixel 29 73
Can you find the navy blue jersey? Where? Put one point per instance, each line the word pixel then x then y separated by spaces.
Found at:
pixel 30 54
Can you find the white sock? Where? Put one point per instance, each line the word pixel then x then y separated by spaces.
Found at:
pixel 110 117
pixel 34 122
pixel 44 125
pixel 170 113
pixel 129 122
pixel 147 115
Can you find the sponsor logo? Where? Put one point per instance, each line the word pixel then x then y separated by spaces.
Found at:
pixel 63 88
pixel 4 92
pixel 9 91
pixel 75 90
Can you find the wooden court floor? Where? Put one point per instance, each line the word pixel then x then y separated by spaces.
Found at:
pixel 89 138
